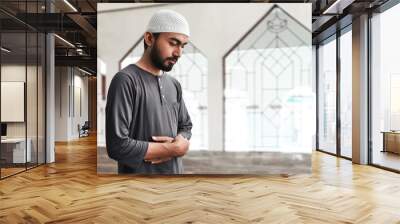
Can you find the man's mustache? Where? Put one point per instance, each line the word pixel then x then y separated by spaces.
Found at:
pixel 172 58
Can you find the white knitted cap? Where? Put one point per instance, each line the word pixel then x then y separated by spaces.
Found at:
pixel 166 20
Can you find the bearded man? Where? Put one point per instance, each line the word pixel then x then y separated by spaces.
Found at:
pixel 148 127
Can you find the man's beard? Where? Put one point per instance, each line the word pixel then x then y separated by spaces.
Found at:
pixel 159 62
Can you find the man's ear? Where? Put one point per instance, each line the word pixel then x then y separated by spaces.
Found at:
pixel 149 39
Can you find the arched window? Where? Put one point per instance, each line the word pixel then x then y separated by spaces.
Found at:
pixel 191 71
pixel 269 100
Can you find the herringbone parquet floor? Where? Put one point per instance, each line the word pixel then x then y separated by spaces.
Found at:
pixel 70 191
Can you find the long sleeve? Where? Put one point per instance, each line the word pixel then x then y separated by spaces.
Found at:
pixel 184 122
pixel 119 115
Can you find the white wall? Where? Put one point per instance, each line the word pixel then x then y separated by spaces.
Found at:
pixel 68 79
pixel 101 104
pixel 12 73
pixel 215 28
pixel 80 82
pixel 61 103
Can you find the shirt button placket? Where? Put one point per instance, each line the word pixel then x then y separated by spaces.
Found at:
pixel 162 94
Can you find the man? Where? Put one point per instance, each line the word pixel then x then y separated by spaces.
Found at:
pixel 147 124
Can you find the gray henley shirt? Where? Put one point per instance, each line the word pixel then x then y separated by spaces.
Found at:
pixel 141 105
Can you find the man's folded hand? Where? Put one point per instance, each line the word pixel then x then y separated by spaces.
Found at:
pixel 181 145
pixel 176 147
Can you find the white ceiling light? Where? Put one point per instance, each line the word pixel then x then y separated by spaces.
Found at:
pixel 337 7
pixel 5 49
pixel 70 5
pixel 65 41
pixel 86 72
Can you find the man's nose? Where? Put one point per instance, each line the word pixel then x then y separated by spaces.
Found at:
pixel 178 52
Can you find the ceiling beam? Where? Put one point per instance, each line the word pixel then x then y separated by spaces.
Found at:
pixel 82 61
pixel 84 24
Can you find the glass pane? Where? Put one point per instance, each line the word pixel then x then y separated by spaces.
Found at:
pixel 31 85
pixel 327 96
pixel 386 89
pixel 41 98
pixel 268 88
pixel 31 97
pixel 346 94
pixel 191 72
pixel 13 87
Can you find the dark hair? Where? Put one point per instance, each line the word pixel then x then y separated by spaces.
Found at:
pixel 155 35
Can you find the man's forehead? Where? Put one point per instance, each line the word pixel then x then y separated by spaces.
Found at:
pixel 181 37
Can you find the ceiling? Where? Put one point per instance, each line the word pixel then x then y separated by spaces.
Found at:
pixel 75 22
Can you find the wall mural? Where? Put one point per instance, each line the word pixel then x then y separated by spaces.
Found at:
pixel 268 82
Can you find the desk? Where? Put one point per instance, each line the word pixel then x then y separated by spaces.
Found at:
pixel 391 141
pixel 13 150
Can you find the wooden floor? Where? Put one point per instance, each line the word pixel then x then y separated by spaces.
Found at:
pixel 70 191
pixel 10 171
